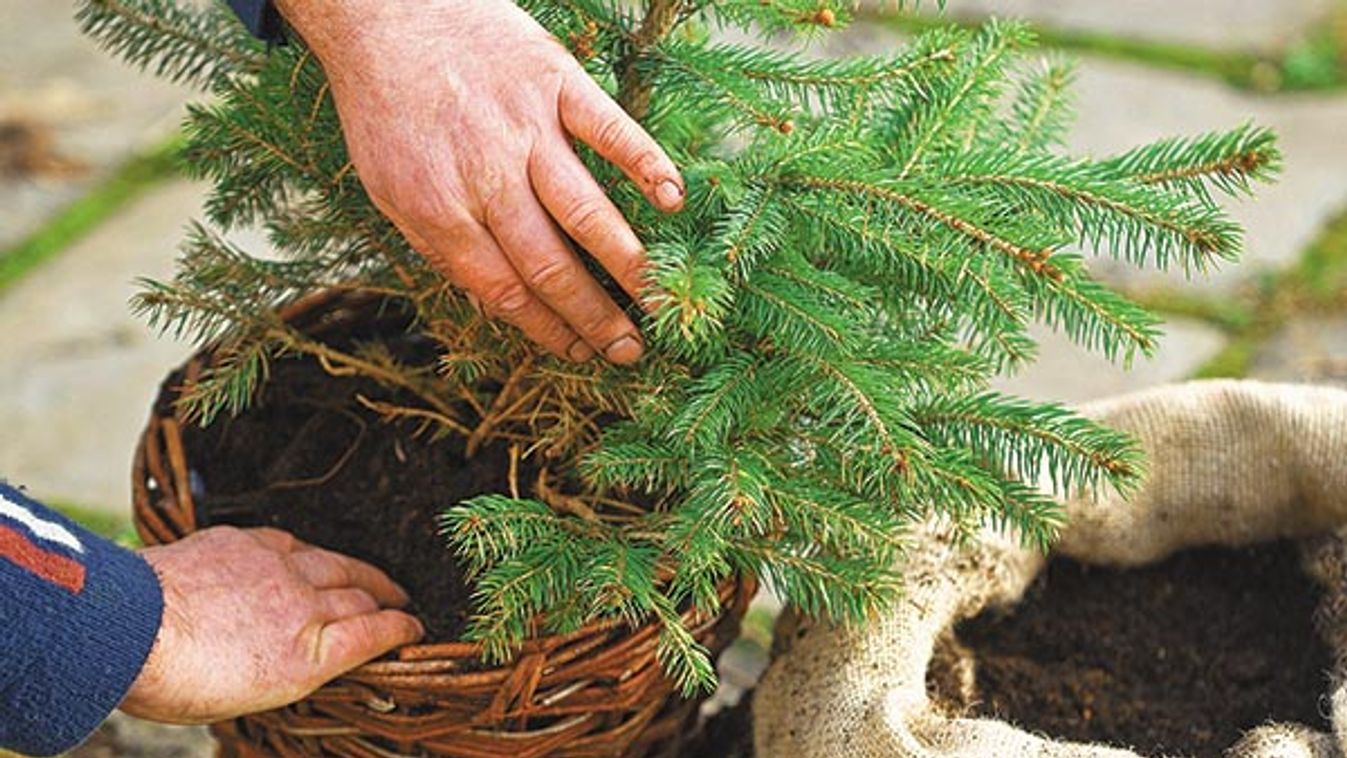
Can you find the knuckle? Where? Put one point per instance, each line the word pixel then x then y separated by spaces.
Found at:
pixel 283 539
pixel 634 268
pixel 322 564
pixel 339 648
pixel 555 276
pixel 586 219
pixel 354 602
pixel 508 300
pixel 644 162
pixel 599 318
pixel 613 135
pixel 422 207
pixel 494 208
pixel 222 532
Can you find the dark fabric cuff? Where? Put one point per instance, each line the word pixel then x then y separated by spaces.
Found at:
pixel 261 18
pixel 80 615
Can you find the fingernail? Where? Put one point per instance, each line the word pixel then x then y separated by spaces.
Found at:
pixel 669 194
pixel 420 628
pixel 579 351
pixel 624 349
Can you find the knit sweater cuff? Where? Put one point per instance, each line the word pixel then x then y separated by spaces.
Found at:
pixel 261 18
pixel 80 616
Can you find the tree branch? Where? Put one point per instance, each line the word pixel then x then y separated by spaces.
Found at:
pixel 634 89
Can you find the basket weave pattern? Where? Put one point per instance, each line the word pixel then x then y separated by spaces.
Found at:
pixel 596 692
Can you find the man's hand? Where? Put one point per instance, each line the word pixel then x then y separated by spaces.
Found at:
pixel 459 116
pixel 255 619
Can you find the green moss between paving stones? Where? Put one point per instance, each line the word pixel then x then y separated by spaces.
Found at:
pixel 1235 359
pixel 1319 280
pixel 1317 284
pixel 1320 62
pixel 1231 315
pixel 127 182
pixel 100 522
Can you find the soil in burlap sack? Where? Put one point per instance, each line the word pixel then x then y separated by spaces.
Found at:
pixel 1232 464
pixel 1131 658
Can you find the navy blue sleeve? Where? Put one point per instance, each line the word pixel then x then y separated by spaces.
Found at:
pixel 261 18
pixel 78 617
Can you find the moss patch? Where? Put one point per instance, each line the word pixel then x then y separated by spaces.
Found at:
pixel 1317 62
pixel 82 216
pixel 100 522
pixel 1317 284
pixel 1319 280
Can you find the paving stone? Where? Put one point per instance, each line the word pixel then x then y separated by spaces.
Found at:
pixel 1244 24
pixel 62 96
pixel 124 737
pixel 1309 349
pixel 79 370
pixel 1122 105
pixel 1067 373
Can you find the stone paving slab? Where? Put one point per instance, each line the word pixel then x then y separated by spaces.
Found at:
pixel 1068 373
pixel 60 95
pixel 1122 105
pixel 79 370
pixel 124 737
pixel 1308 349
pixel 1262 25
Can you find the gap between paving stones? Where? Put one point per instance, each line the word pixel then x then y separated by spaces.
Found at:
pixel 1316 286
pixel 124 186
pixel 1317 61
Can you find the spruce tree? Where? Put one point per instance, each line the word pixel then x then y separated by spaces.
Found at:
pixel 864 245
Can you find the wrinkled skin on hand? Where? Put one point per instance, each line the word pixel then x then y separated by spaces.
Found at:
pixel 459 117
pixel 255 619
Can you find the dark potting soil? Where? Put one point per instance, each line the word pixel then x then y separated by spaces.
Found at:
pixel 727 734
pixel 1179 658
pixel 308 458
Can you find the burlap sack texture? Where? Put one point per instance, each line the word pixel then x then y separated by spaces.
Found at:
pixel 1231 463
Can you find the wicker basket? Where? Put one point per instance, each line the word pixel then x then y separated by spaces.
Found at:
pixel 596 692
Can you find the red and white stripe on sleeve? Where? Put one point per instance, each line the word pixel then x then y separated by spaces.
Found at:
pixel 41 547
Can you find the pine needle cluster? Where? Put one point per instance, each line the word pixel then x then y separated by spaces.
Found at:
pixel 865 244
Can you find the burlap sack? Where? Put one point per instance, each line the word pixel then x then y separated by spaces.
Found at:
pixel 1231 463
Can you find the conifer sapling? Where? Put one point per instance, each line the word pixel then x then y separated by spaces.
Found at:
pixel 864 245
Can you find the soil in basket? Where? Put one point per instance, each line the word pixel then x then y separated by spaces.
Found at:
pixel 308 458
pixel 1176 659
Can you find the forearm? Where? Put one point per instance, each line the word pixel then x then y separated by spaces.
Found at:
pixel 80 616
pixel 348 34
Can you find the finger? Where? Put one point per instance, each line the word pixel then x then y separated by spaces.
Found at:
pixel 579 205
pixel 334 605
pixel 326 570
pixel 275 539
pixel 488 275
pixel 555 274
pixel 592 117
pixel 349 642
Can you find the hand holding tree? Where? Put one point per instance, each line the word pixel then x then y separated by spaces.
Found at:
pixel 459 119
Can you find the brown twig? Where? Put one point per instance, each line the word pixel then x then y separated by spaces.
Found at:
pixel 561 502
pixel 392 410
pixel 633 88
pixel 334 469
pixel 493 416
pixel 514 470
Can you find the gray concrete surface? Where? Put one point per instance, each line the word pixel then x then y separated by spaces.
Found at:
pixel 63 97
